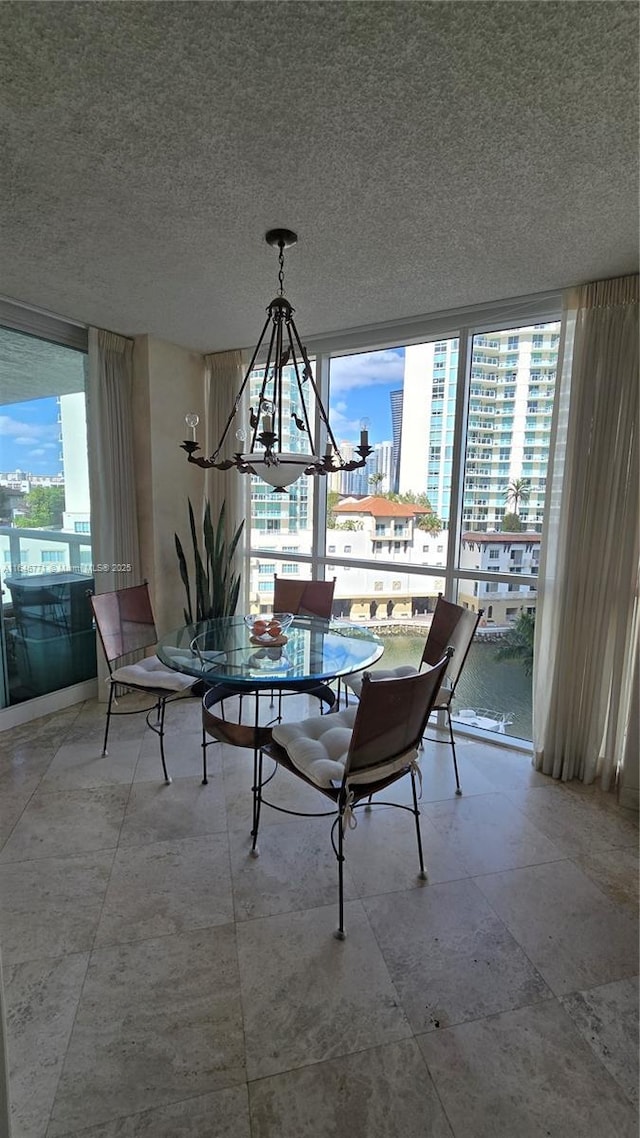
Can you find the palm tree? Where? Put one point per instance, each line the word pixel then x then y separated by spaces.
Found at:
pixel 517 643
pixel 517 491
pixel 430 523
pixel 375 479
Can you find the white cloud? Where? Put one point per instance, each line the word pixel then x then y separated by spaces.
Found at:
pixel 344 427
pixel 26 433
pixel 366 370
pixel 38 453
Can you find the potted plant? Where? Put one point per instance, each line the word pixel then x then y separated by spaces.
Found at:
pixel 216 585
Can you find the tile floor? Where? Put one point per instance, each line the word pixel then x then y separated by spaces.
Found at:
pixel 160 983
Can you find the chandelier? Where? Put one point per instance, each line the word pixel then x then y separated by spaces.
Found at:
pixel 268 419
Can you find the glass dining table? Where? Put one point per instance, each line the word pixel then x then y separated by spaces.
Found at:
pixel 223 654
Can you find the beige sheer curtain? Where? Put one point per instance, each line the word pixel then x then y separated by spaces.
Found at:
pixel 114 526
pixel 224 373
pixel 587 619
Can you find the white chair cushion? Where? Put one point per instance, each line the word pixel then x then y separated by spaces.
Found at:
pixel 354 683
pixel 318 748
pixel 152 673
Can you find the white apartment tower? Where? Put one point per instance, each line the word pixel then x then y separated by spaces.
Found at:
pixel 509 421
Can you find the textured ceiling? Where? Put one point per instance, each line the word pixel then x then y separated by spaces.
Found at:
pixel 429 155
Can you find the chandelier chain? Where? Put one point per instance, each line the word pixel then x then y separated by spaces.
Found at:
pixel 281 271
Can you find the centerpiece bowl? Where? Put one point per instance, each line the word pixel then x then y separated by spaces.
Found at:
pixel 268 628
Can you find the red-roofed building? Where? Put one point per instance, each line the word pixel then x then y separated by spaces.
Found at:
pixel 389 526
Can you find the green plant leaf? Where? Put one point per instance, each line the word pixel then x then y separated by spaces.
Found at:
pixel 184 574
pixel 217 587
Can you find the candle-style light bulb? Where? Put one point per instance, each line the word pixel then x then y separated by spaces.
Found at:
pixel 267 416
pixel 364 432
pixel 192 420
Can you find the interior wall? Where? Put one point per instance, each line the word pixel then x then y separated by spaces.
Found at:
pixel 168 382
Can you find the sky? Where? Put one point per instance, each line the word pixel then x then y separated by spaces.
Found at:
pixel 359 388
pixel 29 434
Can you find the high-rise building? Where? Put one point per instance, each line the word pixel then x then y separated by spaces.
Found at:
pixel 510 405
pixel 280 513
pixel 395 398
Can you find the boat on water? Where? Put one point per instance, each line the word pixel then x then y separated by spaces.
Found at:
pixel 483 718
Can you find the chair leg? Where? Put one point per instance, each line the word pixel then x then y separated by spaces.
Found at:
pixel 108 723
pixel 257 800
pixel 340 933
pixel 453 748
pixel 205 780
pixel 416 813
pixel 162 703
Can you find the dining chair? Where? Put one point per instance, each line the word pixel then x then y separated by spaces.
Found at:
pixel 125 623
pixel 303 597
pixel 306 597
pixel 355 753
pixel 452 626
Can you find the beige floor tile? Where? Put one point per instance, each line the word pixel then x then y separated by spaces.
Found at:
pixel 183 754
pixel 615 871
pixel 12 806
pixel 158 1021
pixel 41 1000
pixel 81 766
pixel 577 821
pixel 489 834
pixel 573 934
pixel 285 791
pixel 449 956
pixel 526 1073
pixel 309 997
pixel 158 1045
pixel 438 777
pixel 607 1018
pixel 68 822
pixel 382 852
pixel 505 770
pixel 51 906
pixel 384 1092
pixel 221 1114
pixel 165 888
pixel 184 809
pixel 296 869
pixel 23 768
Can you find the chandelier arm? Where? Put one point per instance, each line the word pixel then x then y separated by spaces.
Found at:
pixel 258 428
pixel 294 360
pixel 309 376
pixel 237 400
pixel 277 367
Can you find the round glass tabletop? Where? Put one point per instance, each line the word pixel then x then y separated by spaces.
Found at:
pixel 221 652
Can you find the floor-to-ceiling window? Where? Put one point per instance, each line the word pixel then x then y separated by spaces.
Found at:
pixel 47 640
pixel 451 499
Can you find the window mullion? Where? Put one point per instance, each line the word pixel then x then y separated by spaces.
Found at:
pixel 465 341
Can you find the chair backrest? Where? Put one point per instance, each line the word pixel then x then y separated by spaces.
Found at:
pixel 452 626
pixel 303 598
pixel 391 717
pixel 124 620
